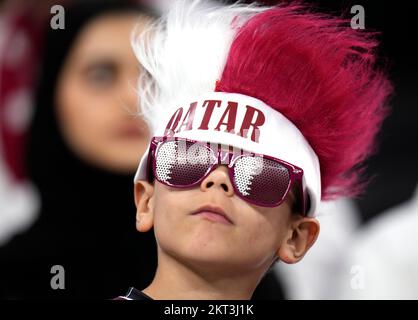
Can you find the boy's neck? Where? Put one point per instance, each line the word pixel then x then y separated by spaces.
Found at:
pixel 176 281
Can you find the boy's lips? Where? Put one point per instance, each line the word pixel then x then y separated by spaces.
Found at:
pixel 213 213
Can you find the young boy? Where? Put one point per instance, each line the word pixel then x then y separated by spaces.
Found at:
pixel 235 171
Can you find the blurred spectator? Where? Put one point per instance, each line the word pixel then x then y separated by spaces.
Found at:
pixel 83 148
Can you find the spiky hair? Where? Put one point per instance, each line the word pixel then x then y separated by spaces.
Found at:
pixel 312 68
pixel 184 52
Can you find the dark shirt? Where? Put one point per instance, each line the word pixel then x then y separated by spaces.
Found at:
pixel 134 294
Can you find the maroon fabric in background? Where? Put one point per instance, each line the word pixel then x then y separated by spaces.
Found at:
pixel 18 66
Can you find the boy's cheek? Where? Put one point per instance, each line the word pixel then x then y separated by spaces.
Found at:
pixel 169 216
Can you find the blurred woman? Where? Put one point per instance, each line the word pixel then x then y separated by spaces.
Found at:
pixel 83 148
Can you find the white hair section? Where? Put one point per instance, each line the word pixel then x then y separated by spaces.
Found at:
pixel 184 52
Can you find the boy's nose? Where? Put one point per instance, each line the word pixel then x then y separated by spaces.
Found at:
pixel 219 178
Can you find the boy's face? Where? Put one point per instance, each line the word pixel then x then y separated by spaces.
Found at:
pixel 252 239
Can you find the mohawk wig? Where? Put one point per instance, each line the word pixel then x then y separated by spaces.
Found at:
pixel 312 68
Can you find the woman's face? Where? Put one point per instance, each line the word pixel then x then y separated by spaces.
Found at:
pixel 96 95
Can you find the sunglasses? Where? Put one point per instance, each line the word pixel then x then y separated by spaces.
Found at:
pixel 259 179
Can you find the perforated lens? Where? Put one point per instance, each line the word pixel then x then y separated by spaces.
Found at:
pixel 258 179
pixel 182 163
pixel 261 180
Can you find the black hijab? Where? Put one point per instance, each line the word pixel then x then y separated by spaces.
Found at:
pixel 87 217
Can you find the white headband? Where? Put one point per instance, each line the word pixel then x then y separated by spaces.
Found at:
pixel 243 122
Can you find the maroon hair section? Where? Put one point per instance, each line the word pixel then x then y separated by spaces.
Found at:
pixel 321 75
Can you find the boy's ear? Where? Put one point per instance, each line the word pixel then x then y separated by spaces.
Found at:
pixel 302 235
pixel 144 201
